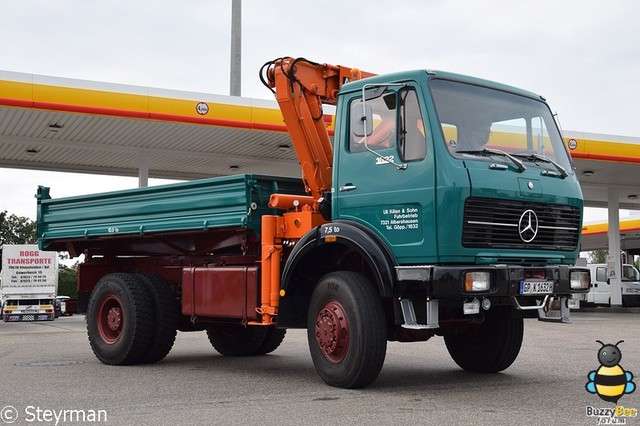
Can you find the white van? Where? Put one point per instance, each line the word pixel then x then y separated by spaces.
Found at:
pixel 600 290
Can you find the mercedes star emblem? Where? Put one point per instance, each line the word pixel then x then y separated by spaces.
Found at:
pixel 528 226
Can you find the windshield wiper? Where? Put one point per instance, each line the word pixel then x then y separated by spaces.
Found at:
pixel 532 156
pixel 519 164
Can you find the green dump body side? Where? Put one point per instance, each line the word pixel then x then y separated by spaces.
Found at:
pixel 237 201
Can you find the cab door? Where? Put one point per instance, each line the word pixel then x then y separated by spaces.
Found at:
pixel 385 180
pixel 600 286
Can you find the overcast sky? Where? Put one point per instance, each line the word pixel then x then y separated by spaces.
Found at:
pixel 583 56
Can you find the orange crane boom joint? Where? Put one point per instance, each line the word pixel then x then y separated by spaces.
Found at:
pixel 301 87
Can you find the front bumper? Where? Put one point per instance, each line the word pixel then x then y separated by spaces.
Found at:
pixel 448 282
pixel 423 293
pixel 27 317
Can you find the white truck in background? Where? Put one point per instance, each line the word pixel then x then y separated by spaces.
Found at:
pixel 29 283
pixel 600 289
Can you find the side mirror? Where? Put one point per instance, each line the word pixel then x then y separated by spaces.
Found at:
pixel 361 119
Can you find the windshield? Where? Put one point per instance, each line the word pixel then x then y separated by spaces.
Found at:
pixel 477 120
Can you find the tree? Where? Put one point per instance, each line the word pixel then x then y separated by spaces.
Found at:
pixel 16 229
pixel 67 280
pixel 598 256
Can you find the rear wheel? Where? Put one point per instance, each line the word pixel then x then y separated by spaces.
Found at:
pixel 165 309
pixel 488 347
pixel 120 319
pixel 272 340
pixel 346 330
pixel 236 339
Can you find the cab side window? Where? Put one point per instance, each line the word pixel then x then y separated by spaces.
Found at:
pixel 412 142
pixel 384 124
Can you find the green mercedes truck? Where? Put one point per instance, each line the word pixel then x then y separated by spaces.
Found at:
pixel 439 205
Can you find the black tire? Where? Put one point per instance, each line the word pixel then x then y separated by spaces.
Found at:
pixel 272 340
pixel 165 314
pixel 488 347
pixel 120 319
pixel 236 339
pixel 346 330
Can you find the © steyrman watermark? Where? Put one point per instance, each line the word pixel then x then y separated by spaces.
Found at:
pixel 33 414
pixel 9 414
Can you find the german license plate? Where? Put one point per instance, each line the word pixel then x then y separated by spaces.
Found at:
pixel 536 287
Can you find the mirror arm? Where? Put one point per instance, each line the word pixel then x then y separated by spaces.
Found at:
pixel 365 118
pixel 382 157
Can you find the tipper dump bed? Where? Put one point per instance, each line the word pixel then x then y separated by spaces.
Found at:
pixel 230 202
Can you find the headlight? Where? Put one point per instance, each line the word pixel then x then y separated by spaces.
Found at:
pixel 477 281
pixel 579 280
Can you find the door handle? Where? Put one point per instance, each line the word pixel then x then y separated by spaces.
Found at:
pixel 348 187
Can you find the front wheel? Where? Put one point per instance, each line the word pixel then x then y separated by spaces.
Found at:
pixel 490 346
pixel 346 330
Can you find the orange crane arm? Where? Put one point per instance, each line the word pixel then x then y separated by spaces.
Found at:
pixel 301 87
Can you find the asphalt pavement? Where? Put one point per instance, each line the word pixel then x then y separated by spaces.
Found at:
pixel 48 375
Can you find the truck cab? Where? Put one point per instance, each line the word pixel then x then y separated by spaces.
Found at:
pixel 456 142
pixel 462 186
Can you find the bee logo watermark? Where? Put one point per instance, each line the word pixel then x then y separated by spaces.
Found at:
pixel 610 382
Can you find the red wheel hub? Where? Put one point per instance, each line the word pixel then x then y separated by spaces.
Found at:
pixel 332 331
pixel 110 319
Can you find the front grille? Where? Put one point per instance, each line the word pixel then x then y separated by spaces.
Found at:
pixel 491 223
